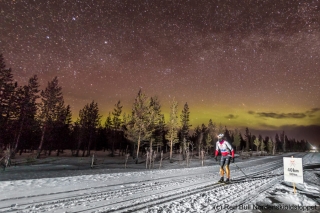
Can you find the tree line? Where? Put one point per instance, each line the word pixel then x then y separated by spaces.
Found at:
pixel 41 121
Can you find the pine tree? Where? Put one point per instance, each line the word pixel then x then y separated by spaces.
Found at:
pixel 185 126
pixel 62 127
pixel 211 134
pixel 236 138
pixel 201 139
pixel 262 145
pixel 137 127
pixel 160 133
pixel 212 129
pixel 283 140
pixel 227 135
pixel 172 126
pixel 108 130
pixel 208 140
pixel 270 145
pixel 116 122
pixel 108 123
pixel 89 122
pixel 221 129
pixel 28 106
pixel 278 143
pixel 247 139
pixel 7 100
pixel 154 117
pixel 257 143
pixel 51 104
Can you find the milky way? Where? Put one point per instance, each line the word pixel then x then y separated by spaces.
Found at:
pixel 241 63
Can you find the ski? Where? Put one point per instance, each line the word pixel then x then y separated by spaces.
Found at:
pixel 218 183
pixel 226 183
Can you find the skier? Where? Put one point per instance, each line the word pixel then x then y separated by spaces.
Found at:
pixel 225 149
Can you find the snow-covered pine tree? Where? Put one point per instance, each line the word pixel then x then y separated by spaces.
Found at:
pixel 172 126
pixel 208 143
pixel 262 145
pixel 137 128
pixel 270 146
pixel 257 143
pixel 201 139
pixel 185 126
pixel 155 119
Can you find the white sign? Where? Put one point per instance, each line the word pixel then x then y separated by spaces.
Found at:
pixel 293 171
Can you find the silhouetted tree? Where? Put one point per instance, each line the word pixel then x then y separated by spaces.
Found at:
pixel 89 122
pixel 8 102
pixel 27 102
pixel 247 138
pixel 185 126
pixel 108 130
pixel 227 135
pixel 62 128
pixel 51 104
pixel 116 123
pixel 236 139
pixel 212 129
pixel 278 144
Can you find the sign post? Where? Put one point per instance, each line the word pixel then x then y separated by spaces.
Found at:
pixel 292 171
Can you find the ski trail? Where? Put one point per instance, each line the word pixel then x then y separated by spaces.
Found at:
pixel 193 189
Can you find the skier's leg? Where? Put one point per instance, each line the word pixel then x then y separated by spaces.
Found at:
pixel 227 167
pixel 222 162
pixel 228 171
pixel 221 172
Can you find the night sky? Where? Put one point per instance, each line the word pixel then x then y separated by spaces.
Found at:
pixel 241 63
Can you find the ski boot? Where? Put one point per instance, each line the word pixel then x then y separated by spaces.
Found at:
pixel 221 180
pixel 227 181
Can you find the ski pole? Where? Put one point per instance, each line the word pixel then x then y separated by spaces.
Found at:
pixel 241 170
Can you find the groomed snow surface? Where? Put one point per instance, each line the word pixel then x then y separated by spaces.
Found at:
pixel 67 185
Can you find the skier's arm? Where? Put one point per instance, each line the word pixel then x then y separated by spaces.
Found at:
pixel 217 150
pixel 231 149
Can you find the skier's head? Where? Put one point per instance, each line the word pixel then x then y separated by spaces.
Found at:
pixel 220 137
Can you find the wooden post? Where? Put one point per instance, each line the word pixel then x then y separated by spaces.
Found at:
pixel 161 156
pixel 125 164
pixel 92 161
pixel 294 185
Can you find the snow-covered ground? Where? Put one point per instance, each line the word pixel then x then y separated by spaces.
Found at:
pixel 67 185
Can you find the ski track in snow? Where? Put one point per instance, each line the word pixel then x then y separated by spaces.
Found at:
pixel 176 190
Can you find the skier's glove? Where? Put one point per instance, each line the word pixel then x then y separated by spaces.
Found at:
pixel 232 160
pixel 216 158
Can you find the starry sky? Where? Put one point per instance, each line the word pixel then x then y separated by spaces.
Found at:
pixel 241 63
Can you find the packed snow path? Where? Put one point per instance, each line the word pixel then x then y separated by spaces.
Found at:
pixel 174 190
